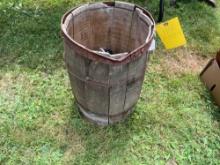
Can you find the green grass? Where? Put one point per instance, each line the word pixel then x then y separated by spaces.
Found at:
pixel 175 118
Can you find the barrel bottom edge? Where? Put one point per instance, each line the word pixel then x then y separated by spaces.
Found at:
pixel 103 120
pixel 120 117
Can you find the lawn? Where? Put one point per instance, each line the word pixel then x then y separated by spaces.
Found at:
pixel 175 119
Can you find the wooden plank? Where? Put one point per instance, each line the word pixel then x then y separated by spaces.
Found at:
pixel 120 30
pixel 98 72
pixel 136 71
pixel 132 93
pixel 97 98
pixel 137 67
pixel 75 63
pixel 118 81
pixel 117 98
pixel 78 89
pixel 100 25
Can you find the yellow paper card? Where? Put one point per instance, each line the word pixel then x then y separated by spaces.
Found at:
pixel 171 33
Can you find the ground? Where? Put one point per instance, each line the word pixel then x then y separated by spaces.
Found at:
pixel 175 120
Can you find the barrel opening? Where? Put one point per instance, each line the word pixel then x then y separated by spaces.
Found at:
pixel 119 27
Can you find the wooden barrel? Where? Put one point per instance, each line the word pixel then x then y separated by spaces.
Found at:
pixel 106 85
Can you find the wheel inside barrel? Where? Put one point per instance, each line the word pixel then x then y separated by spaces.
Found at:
pixel 106 50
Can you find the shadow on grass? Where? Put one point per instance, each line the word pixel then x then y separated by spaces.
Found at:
pixel 101 143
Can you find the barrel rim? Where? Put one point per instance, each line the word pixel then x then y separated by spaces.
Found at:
pixel 89 53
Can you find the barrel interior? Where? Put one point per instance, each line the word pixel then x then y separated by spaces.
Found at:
pixel 119 28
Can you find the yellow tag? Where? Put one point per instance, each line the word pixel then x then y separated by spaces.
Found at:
pixel 171 33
